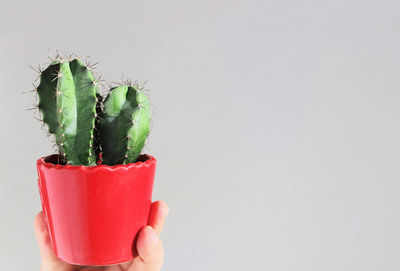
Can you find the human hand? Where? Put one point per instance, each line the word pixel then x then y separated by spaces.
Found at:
pixel 149 246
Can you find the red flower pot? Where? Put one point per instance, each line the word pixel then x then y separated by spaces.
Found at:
pixel 94 213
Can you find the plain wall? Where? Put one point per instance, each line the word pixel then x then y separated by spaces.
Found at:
pixel 275 125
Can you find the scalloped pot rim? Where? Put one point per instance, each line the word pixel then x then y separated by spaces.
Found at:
pixel 150 161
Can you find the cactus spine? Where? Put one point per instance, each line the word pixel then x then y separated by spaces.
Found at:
pixel 125 124
pixel 67 100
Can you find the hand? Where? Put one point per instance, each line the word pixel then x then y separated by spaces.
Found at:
pixel 148 245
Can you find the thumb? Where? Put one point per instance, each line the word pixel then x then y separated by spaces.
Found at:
pixel 150 250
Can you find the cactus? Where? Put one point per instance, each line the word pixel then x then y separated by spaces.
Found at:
pixel 124 125
pixel 87 127
pixel 67 100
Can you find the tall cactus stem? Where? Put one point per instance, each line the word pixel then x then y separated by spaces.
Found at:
pixel 67 101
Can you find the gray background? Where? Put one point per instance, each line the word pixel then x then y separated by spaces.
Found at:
pixel 276 125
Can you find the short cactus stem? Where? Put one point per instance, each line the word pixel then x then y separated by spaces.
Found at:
pixel 125 124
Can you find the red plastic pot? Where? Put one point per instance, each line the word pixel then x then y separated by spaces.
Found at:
pixel 94 213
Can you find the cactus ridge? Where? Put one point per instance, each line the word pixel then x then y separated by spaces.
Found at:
pixel 67 100
pixel 125 124
pixel 139 128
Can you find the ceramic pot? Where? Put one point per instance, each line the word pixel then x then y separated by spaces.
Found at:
pixel 94 213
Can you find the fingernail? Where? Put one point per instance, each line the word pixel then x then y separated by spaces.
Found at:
pixel 166 210
pixel 152 234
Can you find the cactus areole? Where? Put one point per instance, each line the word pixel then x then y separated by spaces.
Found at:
pixel 96 192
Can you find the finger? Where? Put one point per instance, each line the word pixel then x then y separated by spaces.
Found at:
pixel 113 268
pixel 150 251
pixel 158 212
pixel 90 268
pixel 49 260
pixel 125 266
pixel 43 238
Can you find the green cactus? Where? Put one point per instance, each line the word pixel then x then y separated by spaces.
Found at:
pixel 86 126
pixel 124 125
pixel 67 100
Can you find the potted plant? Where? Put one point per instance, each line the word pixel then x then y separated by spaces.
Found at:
pixel 96 192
